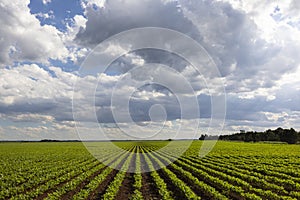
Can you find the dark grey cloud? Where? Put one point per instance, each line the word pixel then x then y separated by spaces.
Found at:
pixel 254 109
pixel 252 65
pixel 245 109
pixel 30 89
pixel 37 105
pixel 230 36
pixel 246 59
pixel 286 99
pixel 61 110
pixel 118 16
pixel 139 107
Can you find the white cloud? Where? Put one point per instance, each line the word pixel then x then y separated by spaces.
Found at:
pixel 30 82
pixel 46 1
pixel 77 23
pixel 255 45
pixel 233 37
pixel 41 100
pixel 23 37
pixel 49 15
pixel 275 116
pixel 76 53
pixel 30 117
pixel 89 3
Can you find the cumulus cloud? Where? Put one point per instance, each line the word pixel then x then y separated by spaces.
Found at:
pixel 233 37
pixel 28 101
pixel 46 1
pixel 90 3
pixel 23 37
pixel 115 16
pixel 31 94
pixel 49 15
pixel 31 89
pixel 254 44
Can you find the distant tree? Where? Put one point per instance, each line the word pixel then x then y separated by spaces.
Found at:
pixel 271 136
pixel 202 137
pixel 248 137
pixel 258 136
pixel 280 132
pixel 284 135
pixel 291 136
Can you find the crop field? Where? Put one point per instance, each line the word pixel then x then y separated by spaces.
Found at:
pixel 232 170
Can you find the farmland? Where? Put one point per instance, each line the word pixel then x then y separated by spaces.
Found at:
pixel 232 170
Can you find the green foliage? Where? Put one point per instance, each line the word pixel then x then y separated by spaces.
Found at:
pixel 289 136
pixel 233 170
pixel 137 195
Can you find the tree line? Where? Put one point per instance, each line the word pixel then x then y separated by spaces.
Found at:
pixel 289 136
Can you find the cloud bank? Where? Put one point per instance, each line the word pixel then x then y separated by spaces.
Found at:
pixel 254 44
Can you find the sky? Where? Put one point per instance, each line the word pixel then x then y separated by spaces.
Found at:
pixel 147 93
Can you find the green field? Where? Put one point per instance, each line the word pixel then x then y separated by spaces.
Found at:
pixel 232 170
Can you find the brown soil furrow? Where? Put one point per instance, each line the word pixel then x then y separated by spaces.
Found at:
pixel 149 189
pixel 126 190
pixel 69 194
pixel 100 190
pixel 45 194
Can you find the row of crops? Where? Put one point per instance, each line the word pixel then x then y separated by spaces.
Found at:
pixel 68 171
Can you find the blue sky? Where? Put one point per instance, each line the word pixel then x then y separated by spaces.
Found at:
pixel 254 45
pixel 62 11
